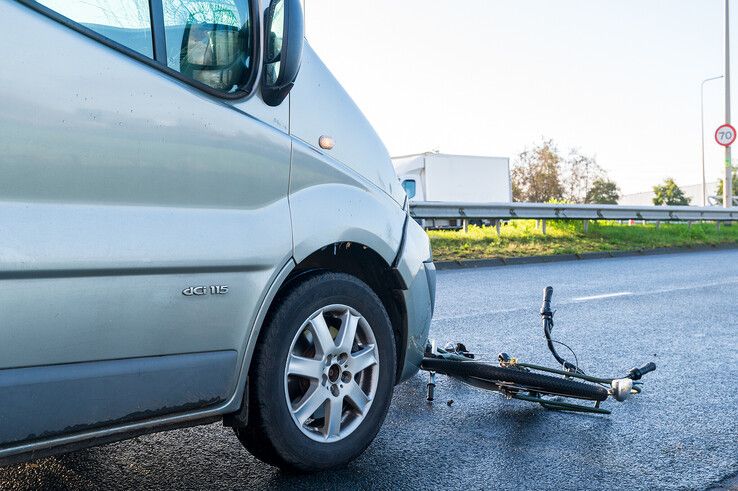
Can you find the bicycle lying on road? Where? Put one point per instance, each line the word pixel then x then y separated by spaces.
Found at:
pixel 524 381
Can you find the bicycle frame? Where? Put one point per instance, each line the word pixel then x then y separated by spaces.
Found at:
pixel 618 388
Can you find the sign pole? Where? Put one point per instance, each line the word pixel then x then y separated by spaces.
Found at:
pixel 702 126
pixel 728 182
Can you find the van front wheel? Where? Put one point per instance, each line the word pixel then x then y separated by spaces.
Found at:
pixel 322 375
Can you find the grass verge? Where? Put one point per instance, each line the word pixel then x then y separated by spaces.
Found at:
pixel 522 238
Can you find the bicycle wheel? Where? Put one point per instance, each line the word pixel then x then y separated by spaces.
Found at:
pixel 516 379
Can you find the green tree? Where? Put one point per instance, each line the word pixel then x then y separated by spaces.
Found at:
pixel 603 192
pixel 542 175
pixel 719 189
pixel 536 174
pixel 669 193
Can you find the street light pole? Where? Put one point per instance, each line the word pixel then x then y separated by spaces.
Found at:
pixel 702 121
pixel 728 182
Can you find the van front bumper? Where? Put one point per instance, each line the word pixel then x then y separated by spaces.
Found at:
pixel 415 266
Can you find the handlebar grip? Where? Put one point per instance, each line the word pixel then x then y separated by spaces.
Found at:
pixel 637 373
pixel 547 294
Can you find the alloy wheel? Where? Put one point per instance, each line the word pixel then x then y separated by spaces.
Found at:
pixel 331 374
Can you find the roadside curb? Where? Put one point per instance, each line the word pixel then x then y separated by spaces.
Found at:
pixel 511 261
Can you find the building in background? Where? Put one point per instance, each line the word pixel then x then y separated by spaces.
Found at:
pixel 694 192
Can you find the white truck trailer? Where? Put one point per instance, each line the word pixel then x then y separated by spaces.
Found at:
pixel 434 176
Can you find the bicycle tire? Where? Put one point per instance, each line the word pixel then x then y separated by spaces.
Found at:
pixel 527 380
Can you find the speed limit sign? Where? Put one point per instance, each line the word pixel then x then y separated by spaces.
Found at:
pixel 725 135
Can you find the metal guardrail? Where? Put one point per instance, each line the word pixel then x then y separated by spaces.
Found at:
pixel 544 211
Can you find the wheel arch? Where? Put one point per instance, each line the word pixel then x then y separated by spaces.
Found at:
pixel 362 262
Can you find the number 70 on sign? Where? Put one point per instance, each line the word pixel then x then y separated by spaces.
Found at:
pixel 725 135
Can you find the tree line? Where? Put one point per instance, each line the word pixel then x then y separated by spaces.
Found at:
pixel 542 174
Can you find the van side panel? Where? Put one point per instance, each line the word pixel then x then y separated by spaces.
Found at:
pixel 94 282
pixel 354 183
pixel 320 106
pixel 62 398
pixel 120 188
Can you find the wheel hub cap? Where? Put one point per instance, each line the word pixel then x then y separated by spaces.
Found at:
pixel 332 373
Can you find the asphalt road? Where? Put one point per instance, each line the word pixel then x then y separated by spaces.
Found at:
pixel 681 433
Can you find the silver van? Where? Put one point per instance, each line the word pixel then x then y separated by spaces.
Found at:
pixel 196 224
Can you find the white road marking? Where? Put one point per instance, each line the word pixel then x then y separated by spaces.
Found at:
pixel 532 311
pixel 604 295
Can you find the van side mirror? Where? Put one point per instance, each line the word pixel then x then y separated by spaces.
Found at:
pixel 285 32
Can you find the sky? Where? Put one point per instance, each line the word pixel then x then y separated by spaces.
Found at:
pixel 617 79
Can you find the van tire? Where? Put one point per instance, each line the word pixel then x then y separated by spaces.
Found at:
pixel 273 433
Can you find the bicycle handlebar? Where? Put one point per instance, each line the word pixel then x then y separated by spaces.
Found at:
pixel 548 324
pixel 637 373
pixel 546 306
pixel 547 315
